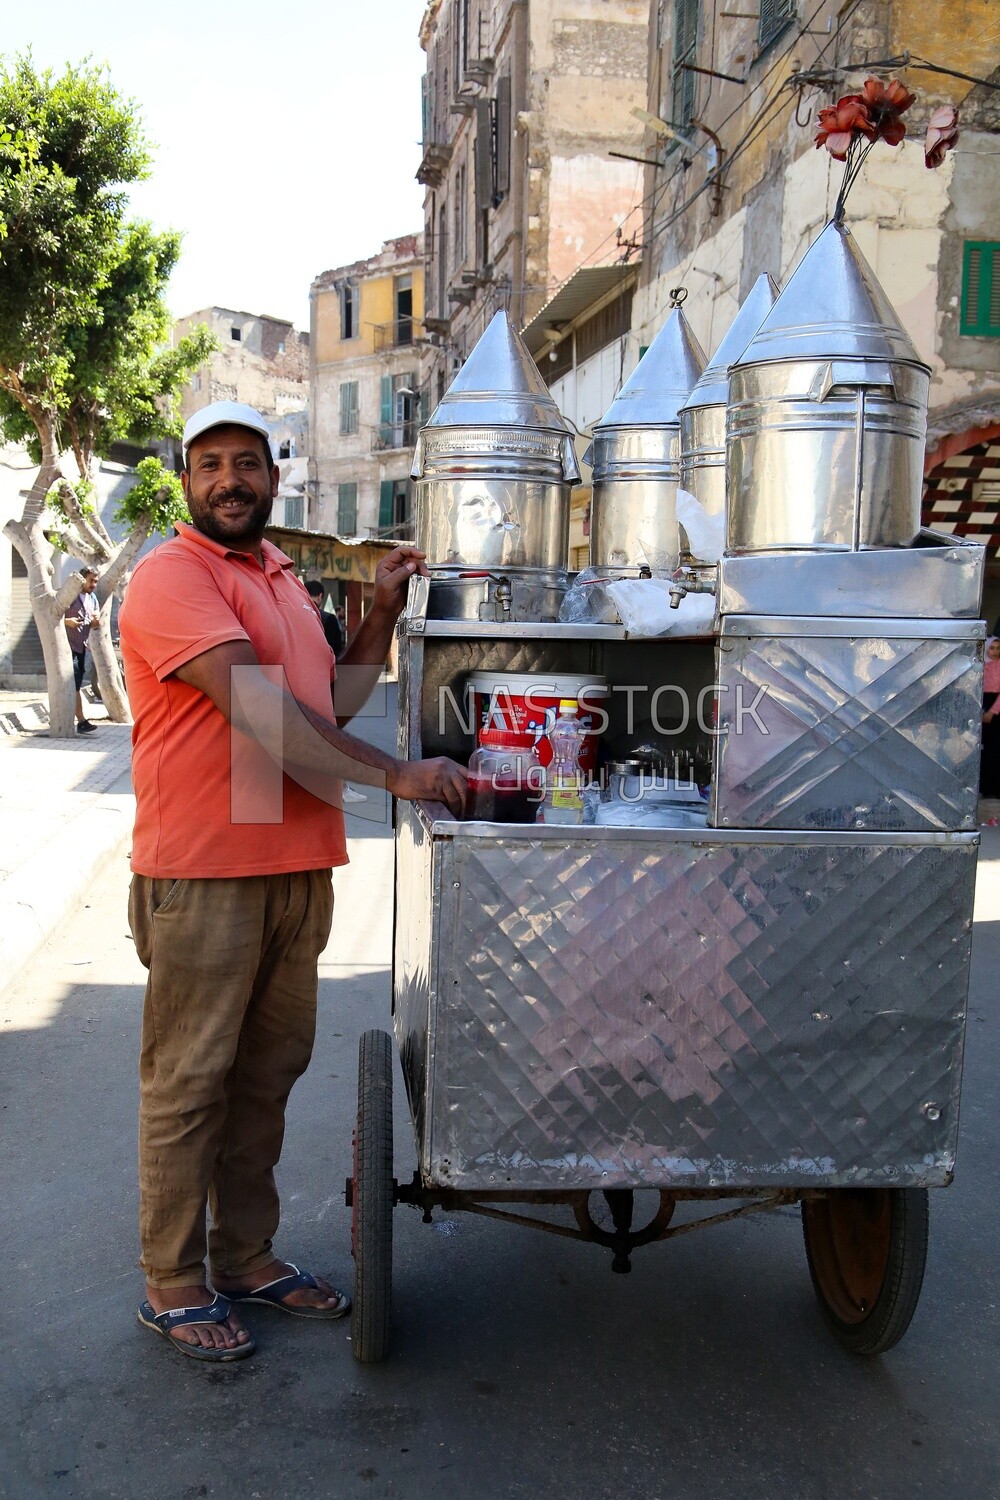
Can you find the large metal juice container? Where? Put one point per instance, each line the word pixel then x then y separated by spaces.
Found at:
pixel 703 419
pixel 493 470
pixel 636 456
pixel 827 415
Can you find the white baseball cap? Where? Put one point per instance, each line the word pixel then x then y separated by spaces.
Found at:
pixel 224 414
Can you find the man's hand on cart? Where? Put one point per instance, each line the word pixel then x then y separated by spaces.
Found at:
pixel 436 780
pixel 392 578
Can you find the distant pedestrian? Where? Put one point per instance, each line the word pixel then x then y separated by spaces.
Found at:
pixel 81 617
pixel 331 625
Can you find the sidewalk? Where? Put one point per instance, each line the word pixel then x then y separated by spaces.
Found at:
pixel 66 808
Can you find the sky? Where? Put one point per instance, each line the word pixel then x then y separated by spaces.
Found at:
pixel 285 136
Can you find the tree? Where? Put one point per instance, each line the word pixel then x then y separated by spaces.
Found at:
pixel 84 358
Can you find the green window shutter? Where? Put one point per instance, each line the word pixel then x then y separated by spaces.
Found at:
pixel 385 495
pixel 385 410
pixel 345 407
pixel 347 508
pixel 685 50
pixel 775 15
pixel 981 289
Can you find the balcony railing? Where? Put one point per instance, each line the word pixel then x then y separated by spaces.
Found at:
pixel 399 334
pixel 391 435
pixel 399 531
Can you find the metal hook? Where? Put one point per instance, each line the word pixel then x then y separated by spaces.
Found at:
pixel 798 106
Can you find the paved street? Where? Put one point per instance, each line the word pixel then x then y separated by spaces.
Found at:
pixel 520 1366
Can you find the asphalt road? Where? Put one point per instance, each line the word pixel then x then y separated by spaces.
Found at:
pixel 520 1365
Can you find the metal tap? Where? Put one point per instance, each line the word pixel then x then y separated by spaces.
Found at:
pixel 503 597
pixel 685 581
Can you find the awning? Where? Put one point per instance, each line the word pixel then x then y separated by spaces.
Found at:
pixel 578 296
pixel 349 559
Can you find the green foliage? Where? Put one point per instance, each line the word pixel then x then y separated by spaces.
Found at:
pixel 84 325
pixel 157 493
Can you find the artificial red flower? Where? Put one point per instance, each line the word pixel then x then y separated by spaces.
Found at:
pixel 942 133
pixel 838 123
pixel 885 102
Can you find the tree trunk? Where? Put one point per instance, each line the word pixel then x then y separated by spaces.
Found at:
pixel 49 611
pixel 113 580
pixel 109 677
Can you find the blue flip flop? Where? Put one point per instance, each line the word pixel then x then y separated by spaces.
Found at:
pixel 217 1311
pixel 273 1293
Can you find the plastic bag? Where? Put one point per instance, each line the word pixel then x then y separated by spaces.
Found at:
pixel 644 607
pixel 587 600
pixel 706 534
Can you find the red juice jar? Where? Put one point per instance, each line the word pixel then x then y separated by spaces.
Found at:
pixel 506 780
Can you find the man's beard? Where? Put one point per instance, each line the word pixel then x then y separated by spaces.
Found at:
pixel 221 526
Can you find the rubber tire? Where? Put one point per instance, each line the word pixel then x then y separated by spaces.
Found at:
pixel 371 1314
pixel 905 1258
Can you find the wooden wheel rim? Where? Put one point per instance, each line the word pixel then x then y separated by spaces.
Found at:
pixel 850 1233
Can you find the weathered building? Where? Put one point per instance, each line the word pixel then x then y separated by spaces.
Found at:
pixel 365 402
pixel 264 362
pixel 737 189
pixel 525 103
pixel 579 340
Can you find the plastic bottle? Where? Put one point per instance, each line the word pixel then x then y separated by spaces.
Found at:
pixel 505 778
pixel 563 800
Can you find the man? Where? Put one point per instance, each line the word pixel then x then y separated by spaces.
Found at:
pixel 229 678
pixel 330 622
pixel 80 619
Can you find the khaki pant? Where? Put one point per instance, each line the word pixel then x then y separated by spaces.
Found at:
pixel 228 1026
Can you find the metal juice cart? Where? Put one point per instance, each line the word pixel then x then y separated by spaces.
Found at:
pixel 765 1011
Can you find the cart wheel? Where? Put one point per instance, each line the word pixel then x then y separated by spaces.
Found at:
pixel 371 1227
pixel 866 1249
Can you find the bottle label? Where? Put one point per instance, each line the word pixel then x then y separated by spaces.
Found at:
pixel 566 798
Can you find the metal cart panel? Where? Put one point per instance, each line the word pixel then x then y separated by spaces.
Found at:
pixel 702 1011
pixel 864 730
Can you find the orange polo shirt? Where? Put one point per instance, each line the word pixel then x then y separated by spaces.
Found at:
pixel 209 801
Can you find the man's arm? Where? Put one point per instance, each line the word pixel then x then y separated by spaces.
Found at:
pixel 359 668
pixel 298 736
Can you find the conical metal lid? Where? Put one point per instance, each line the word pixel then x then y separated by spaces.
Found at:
pixel 832 308
pixel 498 386
pixel 713 387
pixel 661 382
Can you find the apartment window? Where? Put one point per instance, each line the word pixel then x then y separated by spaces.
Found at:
pixel 684 51
pixel 461 217
pixel 775 16
pixel 501 123
pixel 349 310
pixel 394 504
pixel 236 334
pixel 981 289
pixel 349 406
pixel 399 416
pixel 347 509
pixel 295 507
pixel 442 260
pixel 285 450
pixel 403 309
pixel 196 382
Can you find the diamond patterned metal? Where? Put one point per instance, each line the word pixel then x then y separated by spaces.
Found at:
pixel 609 1012
pixel 849 733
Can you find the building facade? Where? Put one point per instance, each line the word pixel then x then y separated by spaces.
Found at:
pixel 367 326
pixel 580 342
pixel 264 362
pixel 736 188
pixel 525 105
